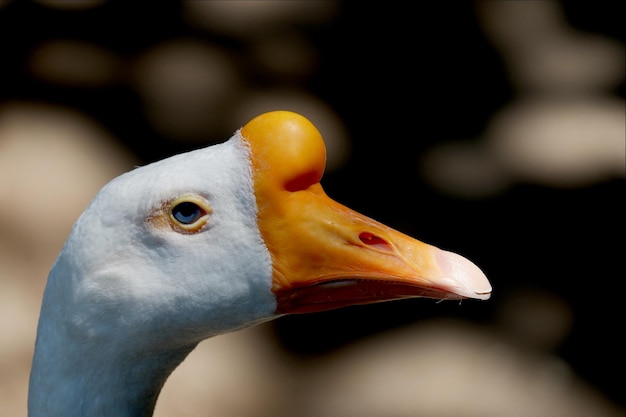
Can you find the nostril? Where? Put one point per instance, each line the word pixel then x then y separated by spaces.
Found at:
pixel 371 239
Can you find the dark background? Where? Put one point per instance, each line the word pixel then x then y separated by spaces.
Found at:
pixel 386 68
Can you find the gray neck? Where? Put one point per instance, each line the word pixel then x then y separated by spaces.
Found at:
pixel 71 381
pixel 77 371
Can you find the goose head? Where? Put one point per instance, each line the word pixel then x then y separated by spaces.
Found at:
pixel 208 242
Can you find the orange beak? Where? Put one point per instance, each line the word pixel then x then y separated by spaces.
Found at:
pixel 325 255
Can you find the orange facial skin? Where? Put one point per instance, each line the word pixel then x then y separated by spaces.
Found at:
pixel 325 255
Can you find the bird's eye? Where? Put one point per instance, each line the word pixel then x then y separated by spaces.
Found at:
pixel 188 214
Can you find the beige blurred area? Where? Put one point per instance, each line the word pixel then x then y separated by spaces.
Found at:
pixel 54 159
pixel 564 128
pixel 438 368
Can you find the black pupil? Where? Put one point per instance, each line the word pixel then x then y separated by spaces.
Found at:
pixel 187 212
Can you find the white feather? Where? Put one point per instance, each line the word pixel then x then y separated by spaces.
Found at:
pixel 124 291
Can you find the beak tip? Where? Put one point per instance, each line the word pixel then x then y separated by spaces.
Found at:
pixel 469 279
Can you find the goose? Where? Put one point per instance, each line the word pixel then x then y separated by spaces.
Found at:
pixel 209 242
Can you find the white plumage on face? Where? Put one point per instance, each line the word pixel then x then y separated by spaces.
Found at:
pixel 140 271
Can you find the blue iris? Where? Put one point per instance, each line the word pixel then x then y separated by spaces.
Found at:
pixel 187 212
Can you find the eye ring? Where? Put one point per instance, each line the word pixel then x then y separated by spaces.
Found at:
pixel 189 213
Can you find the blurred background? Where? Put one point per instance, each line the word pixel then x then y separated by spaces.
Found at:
pixel 494 129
